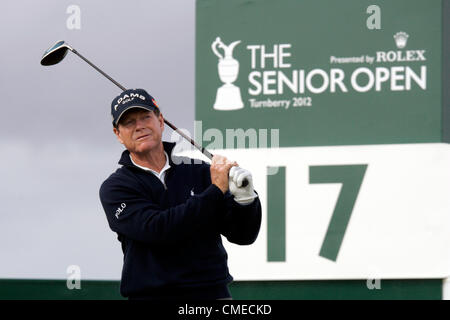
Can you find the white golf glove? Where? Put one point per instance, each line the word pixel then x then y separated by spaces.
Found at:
pixel 242 195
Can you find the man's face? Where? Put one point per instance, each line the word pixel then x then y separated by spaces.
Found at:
pixel 140 130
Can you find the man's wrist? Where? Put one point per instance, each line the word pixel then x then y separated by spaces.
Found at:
pixel 221 190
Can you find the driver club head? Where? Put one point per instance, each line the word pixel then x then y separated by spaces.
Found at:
pixel 55 53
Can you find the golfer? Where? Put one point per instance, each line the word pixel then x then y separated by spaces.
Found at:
pixel 169 212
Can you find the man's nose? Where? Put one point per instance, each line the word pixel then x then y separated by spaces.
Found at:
pixel 140 124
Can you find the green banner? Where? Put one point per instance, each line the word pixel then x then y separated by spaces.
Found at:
pixel 345 72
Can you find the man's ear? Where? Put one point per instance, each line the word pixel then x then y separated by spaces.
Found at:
pixel 117 133
pixel 161 122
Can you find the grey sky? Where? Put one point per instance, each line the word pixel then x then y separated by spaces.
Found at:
pixel 148 44
pixel 56 136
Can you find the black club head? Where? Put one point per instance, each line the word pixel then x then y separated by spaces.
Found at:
pixel 55 53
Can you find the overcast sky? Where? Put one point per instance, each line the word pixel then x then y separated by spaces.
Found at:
pixel 56 136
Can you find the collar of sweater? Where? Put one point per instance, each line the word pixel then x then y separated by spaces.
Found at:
pixel 125 159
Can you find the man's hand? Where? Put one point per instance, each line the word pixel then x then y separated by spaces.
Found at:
pixel 242 195
pixel 220 167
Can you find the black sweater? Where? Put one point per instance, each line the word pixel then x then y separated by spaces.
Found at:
pixel 170 235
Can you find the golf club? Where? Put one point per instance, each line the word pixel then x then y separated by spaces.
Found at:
pixel 56 53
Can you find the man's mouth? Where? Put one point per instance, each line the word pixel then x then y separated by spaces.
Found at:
pixel 142 137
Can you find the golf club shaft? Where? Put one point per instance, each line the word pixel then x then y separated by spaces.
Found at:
pixel 95 67
pixel 202 150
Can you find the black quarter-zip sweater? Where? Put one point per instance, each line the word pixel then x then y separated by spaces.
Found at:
pixel 171 235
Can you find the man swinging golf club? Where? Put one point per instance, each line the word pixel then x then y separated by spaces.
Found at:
pixel 169 212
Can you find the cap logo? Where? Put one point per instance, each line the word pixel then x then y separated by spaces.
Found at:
pixel 127 98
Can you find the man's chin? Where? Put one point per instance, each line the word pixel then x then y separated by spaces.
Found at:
pixel 147 146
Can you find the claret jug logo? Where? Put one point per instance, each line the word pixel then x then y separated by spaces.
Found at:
pixel 228 96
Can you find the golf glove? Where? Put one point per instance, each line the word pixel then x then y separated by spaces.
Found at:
pixel 242 195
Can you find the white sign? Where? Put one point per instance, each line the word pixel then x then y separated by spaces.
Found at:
pixel 399 226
